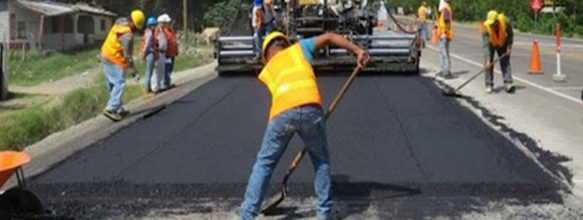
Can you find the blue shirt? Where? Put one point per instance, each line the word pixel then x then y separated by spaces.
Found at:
pixel 309 48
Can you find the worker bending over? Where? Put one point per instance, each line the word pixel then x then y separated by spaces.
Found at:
pixel 116 56
pixel 296 107
pixel 497 37
pixel 148 52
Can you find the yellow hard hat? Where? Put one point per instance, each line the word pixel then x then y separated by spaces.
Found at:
pixel 491 17
pixel 138 18
pixel 274 35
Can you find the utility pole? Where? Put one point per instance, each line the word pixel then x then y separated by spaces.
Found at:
pixel 3 74
pixel 185 18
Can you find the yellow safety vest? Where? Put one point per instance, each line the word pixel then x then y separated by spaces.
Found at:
pixel 442 28
pixel 112 49
pixel 290 80
pixel 422 14
pixel 498 40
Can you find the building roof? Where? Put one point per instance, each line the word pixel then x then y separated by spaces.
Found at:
pixel 50 8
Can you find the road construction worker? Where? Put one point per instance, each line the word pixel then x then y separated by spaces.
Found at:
pixel 148 51
pixel 422 19
pixel 296 107
pixel 445 33
pixel 167 51
pixel 497 37
pixel 269 17
pixel 116 54
pixel 257 23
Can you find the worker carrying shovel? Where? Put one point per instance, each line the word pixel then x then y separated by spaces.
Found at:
pixel 497 37
pixel 296 107
pixel 116 56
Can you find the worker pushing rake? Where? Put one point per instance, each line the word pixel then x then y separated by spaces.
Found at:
pixel 296 108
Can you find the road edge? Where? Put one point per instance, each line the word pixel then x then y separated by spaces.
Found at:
pixel 59 146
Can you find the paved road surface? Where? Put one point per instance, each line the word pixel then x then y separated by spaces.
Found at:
pixel 399 150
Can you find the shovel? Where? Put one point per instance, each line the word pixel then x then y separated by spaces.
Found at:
pixel 455 93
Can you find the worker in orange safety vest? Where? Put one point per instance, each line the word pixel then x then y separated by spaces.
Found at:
pixel 296 107
pixel 497 37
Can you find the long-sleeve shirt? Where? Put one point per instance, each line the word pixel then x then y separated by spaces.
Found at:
pixel 487 47
pixel 127 44
pixel 148 41
pixel 162 41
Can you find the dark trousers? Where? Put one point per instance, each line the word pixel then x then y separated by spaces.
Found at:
pixel 504 65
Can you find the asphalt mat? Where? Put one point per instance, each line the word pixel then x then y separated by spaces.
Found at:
pixel 395 142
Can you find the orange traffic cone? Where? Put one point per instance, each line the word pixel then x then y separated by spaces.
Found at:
pixel 535 67
pixel 434 38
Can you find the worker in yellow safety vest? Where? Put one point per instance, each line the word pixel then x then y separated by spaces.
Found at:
pixel 445 33
pixel 422 19
pixel 497 37
pixel 116 56
pixel 296 107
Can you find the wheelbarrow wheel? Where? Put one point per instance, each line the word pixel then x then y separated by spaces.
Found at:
pixel 22 201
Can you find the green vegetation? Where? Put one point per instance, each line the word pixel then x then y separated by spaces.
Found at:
pixel 32 68
pixel 221 13
pixel 519 11
pixel 23 127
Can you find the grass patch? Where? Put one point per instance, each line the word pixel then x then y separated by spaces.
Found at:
pixel 27 126
pixel 34 68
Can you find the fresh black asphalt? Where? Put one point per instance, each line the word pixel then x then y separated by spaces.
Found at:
pixel 395 142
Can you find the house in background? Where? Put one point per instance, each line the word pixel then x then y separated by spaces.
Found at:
pixel 47 25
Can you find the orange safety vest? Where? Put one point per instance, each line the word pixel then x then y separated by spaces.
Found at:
pixel 290 80
pixel 112 49
pixel 498 40
pixel 442 27
pixel 154 44
pixel 172 49
pixel 422 14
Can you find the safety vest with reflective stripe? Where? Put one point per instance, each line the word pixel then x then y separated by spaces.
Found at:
pixel 498 40
pixel 112 48
pixel 442 28
pixel 172 48
pixel 291 81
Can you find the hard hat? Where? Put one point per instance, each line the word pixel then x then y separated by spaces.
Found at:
pixel 424 3
pixel 257 2
pixel 164 18
pixel 138 18
pixel 274 35
pixel 491 17
pixel 151 21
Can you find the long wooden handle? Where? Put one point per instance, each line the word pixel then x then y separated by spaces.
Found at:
pixel 298 158
pixel 480 72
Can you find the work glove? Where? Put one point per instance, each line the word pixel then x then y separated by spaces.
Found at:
pixel 135 75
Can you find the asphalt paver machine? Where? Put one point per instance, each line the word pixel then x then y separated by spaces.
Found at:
pixel 357 20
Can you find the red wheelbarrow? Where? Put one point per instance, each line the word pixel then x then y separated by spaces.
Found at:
pixel 17 202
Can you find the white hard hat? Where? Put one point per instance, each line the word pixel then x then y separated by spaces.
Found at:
pixel 164 18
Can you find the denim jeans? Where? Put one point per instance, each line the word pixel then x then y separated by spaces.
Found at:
pixel 159 71
pixel 308 121
pixel 149 70
pixel 166 81
pixel 264 30
pixel 116 82
pixel 504 65
pixel 423 28
pixel 445 62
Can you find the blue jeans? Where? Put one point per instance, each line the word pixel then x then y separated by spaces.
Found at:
pixel 166 82
pixel 424 31
pixel 149 69
pixel 264 30
pixel 116 82
pixel 308 121
pixel 445 62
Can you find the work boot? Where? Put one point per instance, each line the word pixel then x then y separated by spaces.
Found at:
pixel 509 87
pixel 489 89
pixel 113 115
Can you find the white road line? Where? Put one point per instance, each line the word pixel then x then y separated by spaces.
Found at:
pixel 515 77
pixel 566 88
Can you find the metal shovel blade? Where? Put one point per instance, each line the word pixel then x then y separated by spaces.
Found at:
pixel 273 202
